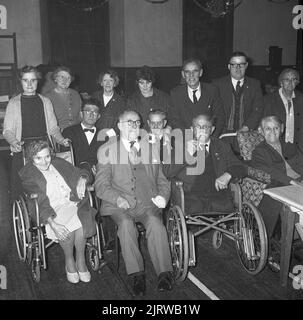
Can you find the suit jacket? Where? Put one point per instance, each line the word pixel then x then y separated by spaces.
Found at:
pixel 110 113
pixel 266 158
pixel 252 100
pixel 114 176
pixel 33 181
pixel 83 152
pixel 273 105
pixel 210 102
pixel 223 160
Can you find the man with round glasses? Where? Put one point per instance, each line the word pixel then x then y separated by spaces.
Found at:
pixel 133 190
pixel 84 135
pixel 287 103
pixel 241 96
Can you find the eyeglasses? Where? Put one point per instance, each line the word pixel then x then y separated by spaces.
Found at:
pixel 29 81
pixel 63 77
pixel 94 113
pixel 191 72
pixel 238 65
pixel 131 123
pixel 294 80
pixel 156 124
pixel 204 127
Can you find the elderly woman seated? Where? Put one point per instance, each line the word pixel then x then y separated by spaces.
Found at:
pixel 284 162
pixel 63 207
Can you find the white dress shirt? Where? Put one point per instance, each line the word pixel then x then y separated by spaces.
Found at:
pixel 106 99
pixel 290 117
pixel 234 82
pixel 89 135
pixel 191 94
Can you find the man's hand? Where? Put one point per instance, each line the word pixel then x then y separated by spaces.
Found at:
pixel 81 187
pixel 122 203
pixel 222 181
pixel 191 146
pixel 159 201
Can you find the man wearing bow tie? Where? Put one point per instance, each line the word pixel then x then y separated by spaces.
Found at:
pixel 84 135
pixel 133 189
pixel 207 189
pixel 241 96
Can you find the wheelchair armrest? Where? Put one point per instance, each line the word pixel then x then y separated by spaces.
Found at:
pixel 33 196
pixel 178 199
pixel 90 188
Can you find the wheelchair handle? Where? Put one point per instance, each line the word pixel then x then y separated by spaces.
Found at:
pixel 33 196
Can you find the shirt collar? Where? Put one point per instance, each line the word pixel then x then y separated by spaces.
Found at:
pixel 190 90
pixel 234 82
pixel 126 144
pixel 284 99
pixel 84 127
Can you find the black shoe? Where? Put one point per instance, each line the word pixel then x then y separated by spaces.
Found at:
pixel 165 281
pixel 139 285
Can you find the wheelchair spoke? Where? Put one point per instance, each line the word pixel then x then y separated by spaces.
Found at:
pixel 251 240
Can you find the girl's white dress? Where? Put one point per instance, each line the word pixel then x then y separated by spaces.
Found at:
pixel 58 193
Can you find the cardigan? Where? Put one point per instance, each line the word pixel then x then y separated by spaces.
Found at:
pixel 12 126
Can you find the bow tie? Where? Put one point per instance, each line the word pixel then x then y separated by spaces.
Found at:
pixel 90 130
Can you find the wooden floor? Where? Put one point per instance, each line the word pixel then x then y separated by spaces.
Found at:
pixel 219 270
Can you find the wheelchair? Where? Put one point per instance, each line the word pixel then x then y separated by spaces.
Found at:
pixel 29 232
pixel 244 225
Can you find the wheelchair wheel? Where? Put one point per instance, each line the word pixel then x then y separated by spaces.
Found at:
pixel 178 242
pixel 251 239
pixel 93 257
pixel 23 236
pixel 35 270
pixel 217 239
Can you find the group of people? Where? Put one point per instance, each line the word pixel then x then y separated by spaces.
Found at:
pixel 125 147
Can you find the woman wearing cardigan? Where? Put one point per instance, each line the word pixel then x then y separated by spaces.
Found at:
pixel 28 115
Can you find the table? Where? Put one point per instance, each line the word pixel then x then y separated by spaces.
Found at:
pixel 290 196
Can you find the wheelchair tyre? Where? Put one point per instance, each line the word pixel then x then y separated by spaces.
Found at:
pixel 217 239
pixel 23 236
pixel 93 258
pixel 35 270
pixel 178 242
pixel 251 233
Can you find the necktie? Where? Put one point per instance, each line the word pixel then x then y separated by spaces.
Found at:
pixel 133 153
pixel 204 147
pixel 89 130
pixel 238 87
pixel 194 96
pixel 289 105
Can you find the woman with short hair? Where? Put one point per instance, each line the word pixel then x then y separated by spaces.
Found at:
pixel 28 115
pixel 66 101
pixel 63 206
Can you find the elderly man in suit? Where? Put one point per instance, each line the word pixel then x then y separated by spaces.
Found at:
pixel 195 97
pixel 241 96
pixel 287 104
pixel 133 189
pixel 206 190
pixel 84 135
pixel 284 163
